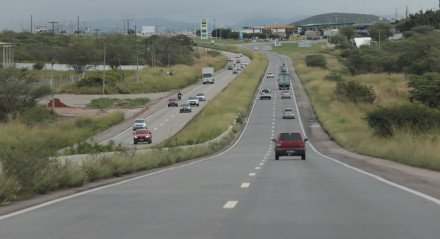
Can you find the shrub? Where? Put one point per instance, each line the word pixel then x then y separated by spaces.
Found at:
pixel 354 92
pixel 426 89
pixel 37 114
pixel 213 53
pixel 316 61
pixel 38 65
pixel 415 117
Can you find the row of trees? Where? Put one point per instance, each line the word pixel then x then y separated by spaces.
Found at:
pixel 82 51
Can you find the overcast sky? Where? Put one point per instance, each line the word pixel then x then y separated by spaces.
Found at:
pixel 15 13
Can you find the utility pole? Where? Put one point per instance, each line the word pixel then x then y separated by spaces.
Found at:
pixel 103 73
pixel 31 25
pixel 97 36
pixel 137 60
pixel 406 12
pixel 53 59
pixel 77 26
pixel 215 29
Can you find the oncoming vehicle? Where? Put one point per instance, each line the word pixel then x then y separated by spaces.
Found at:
pixel 193 100
pixel 288 113
pixel 185 107
pixel 270 75
pixel 265 94
pixel 290 144
pixel 142 135
pixel 140 124
pixel 201 97
pixel 173 102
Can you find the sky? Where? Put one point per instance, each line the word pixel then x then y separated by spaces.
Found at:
pixel 15 14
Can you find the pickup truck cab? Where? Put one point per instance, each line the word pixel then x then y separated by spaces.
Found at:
pixel 290 144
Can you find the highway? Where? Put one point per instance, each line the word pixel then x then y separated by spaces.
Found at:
pixel 240 193
pixel 167 121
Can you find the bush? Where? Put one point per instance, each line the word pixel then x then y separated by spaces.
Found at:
pixel 354 92
pixel 37 114
pixel 213 53
pixel 38 65
pixel 426 89
pixel 415 117
pixel 316 61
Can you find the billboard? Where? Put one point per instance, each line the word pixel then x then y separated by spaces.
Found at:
pixel 204 28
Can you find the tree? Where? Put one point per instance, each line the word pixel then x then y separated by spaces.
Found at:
pixel 347 31
pixel 16 94
pixel 79 55
pixel 425 89
pixel 380 31
pixel 316 60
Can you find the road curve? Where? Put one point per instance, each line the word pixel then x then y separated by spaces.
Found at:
pixel 240 193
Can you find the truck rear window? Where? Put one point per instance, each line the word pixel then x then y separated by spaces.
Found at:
pixel 207 75
pixel 290 136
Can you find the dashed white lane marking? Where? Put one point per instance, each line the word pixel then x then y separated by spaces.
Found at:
pixel 261 164
pixel 252 174
pixel 245 185
pixel 257 168
pixel 161 124
pixel 263 160
pixel 230 204
pixel 167 120
pixel 154 129
pixel 172 116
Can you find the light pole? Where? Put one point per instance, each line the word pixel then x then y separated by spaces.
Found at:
pixel 103 73
pixel 53 59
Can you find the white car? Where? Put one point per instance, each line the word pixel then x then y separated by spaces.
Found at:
pixel 265 94
pixel 288 113
pixel 285 95
pixel 270 75
pixel 193 100
pixel 201 96
pixel 140 124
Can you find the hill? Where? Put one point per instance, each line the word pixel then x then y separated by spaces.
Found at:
pixel 338 18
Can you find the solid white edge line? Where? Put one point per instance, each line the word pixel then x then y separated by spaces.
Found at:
pixel 45 204
pixel 379 178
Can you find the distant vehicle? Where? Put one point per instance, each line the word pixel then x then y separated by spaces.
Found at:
pixel 201 97
pixel 288 113
pixel 208 75
pixel 235 71
pixel 245 63
pixel 265 94
pixel 239 54
pixel 173 102
pixel 270 75
pixel 185 107
pixel 142 135
pixel 284 81
pixel 230 59
pixel 285 95
pixel 230 67
pixel 255 48
pixel 290 144
pixel 140 124
pixel 193 100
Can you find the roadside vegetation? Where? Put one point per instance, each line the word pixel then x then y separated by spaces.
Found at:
pixel 377 101
pixel 105 103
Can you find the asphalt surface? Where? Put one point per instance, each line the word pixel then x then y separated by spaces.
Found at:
pixel 166 121
pixel 241 193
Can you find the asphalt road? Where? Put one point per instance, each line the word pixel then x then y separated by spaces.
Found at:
pixel 241 193
pixel 167 121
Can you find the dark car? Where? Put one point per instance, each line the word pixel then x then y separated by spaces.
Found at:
pixel 142 135
pixel 290 144
pixel 185 107
pixel 173 102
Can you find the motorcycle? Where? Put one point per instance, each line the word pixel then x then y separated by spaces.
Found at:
pixel 179 96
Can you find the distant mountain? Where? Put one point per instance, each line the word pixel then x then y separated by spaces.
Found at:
pixel 264 21
pixel 109 25
pixel 338 18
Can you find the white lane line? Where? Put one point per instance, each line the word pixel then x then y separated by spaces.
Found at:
pixel 154 129
pixel 167 120
pixel 264 160
pixel 252 174
pixel 257 168
pixel 230 204
pixel 261 164
pixel 245 185
pixel 161 124
pixel 172 116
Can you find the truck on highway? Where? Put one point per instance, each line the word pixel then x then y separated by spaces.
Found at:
pixel 208 75
pixel 283 81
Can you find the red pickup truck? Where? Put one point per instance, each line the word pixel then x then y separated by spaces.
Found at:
pixel 290 144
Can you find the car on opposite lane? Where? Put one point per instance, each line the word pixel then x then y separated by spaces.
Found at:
pixel 270 75
pixel 185 107
pixel 140 124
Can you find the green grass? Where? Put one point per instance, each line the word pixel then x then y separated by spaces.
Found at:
pixel 105 103
pixel 345 121
pixel 221 112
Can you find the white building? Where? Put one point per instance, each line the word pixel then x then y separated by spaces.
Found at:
pixel 148 30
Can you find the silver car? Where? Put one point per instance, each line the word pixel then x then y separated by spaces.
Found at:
pixel 140 124
pixel 201 96
pixel 265 94
pixel 288 113
pixel 285 95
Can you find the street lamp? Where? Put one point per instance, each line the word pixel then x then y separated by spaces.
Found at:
pixel 53 59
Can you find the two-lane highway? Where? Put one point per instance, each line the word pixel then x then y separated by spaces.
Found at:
pixel 240 193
